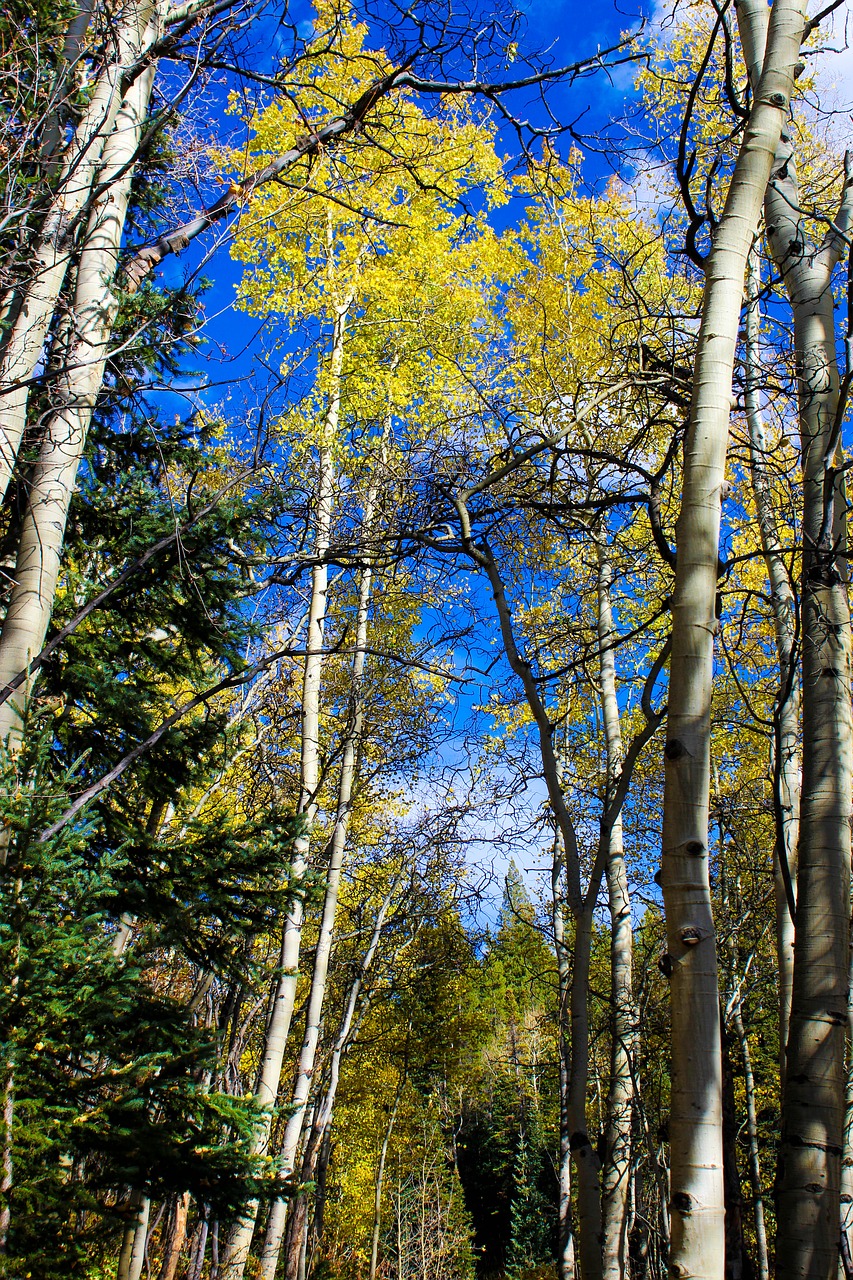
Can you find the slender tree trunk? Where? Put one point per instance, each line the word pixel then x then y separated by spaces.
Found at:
pixel 575 1145
pixel 6 1159
pixel 697 1201
pixel 786 746
pixel 584 1154
pixel 72 48
pixel 52 482
pixel 198 1251
pixel 814 1099
pixel 565 1244
pixel 737 1263
pixel 319 977
pixel 813 1110
pixel 754 1149
pixel 616 1175
pixel 319 1141
pixel 177 1236
pixel 239 1241
pixel 132 1255
pixel 136 28
pixel 844 1265
pixel 380 1178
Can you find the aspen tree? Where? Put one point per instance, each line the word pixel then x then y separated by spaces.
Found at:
pixel 697 1222
pixel 239 1241
pixel 814 1096
pixel 620 1100
pixel 132 1256
pixel 786 747
pixel 317 1146
pixel 320 972
pixel 573 960
pixel 134 25
pixel 51 487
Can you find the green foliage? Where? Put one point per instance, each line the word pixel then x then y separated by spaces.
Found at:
pixel 109 1074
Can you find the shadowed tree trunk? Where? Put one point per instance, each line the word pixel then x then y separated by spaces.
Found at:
pixel 697 1199
pixel 813 1108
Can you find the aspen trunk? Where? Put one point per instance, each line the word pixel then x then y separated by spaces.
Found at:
pixel 198 1251
pixel 319 978
pixel 754 1154
pixel 847 1155
pixel 813 1110
pixel 6 1159
pixel 697 1201
pixel 380 1178
pixel 239 1241
pixel 786 745
pixel 132 1255
pixel 565 1245
pixel 52 483
pixel 318 1145
pixel 616 1175
pixel 136 27
pixel 814 1099
pixel 572 967
pixel 585 1157
pixel 72 47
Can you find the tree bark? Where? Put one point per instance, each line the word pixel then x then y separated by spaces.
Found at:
pixel 319 977
pixel 132 1255
pixel 137 27
pixel 52 483
pixel 616 1174
pixel 572 964
pixel 176 1238
pixel 380 1178
pixel 754 1149
pixel 847 1155
pixel 813 1109
pixel 697 1201
pixel 239 1241
pixel 565 1236
pixel 786 746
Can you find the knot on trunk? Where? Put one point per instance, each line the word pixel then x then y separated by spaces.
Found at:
pixel 682 1202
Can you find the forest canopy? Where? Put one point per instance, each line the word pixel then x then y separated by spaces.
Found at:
pixel 426 736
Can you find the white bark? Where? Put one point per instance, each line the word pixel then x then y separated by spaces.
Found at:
pixel 319 977
pixel 784 609
pixel 239 1241
pixel 132 1255
pixel 697 1207
pixel 616 1175
pixel 136 26
pixel 318 1142
pixel 813 1112
pixel 52 485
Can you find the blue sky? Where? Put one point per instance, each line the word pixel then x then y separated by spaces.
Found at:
pixel 564 30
